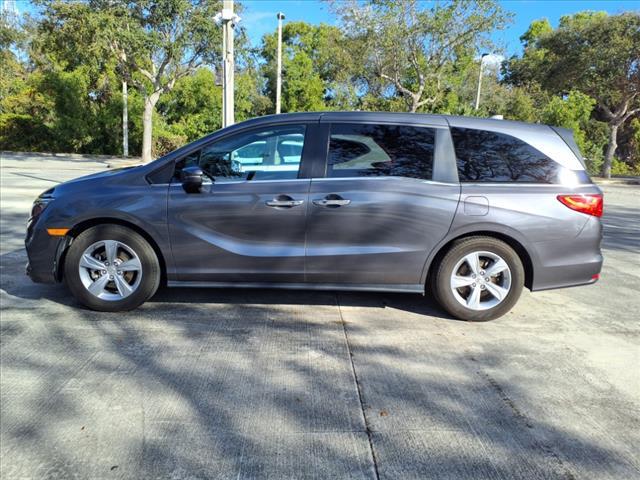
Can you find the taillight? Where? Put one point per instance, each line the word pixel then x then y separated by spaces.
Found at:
pixel 589 203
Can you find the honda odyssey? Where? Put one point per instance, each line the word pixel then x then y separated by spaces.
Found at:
pixel 468 210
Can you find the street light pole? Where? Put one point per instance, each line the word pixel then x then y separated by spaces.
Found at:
pixel 125 119
pixel 480 81
pixel 228 20
pixel 280 16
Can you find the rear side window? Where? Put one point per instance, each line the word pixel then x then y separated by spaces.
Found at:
pixel 361 150
pixel 485 156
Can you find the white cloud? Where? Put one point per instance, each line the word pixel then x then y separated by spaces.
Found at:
pixel 493 60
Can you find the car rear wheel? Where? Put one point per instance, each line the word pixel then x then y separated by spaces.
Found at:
pixel 111 268
pixel 479 279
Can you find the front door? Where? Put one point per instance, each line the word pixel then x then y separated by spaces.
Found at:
pixel 248 222
pixel 376 215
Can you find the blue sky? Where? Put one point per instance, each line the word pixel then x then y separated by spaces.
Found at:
pixel 259 16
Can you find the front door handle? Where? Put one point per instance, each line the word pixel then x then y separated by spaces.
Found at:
pixel 331 200
pixel 283 201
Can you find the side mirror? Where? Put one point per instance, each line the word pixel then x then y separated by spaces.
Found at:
pixel 192 179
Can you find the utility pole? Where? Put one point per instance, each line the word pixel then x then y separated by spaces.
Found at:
pixel 125 120
pixel 480 81
pixel 280 16
pixel 228 20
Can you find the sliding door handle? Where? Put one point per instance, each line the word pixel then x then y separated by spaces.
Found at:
pixel 283 201
pixel 332 200
pixel 331 203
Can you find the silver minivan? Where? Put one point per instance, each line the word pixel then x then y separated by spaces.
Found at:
pixel 468 210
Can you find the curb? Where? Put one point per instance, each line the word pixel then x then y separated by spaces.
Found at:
pixel 617 181
pixel 124 162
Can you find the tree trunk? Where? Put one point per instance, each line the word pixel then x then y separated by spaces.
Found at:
pixel 611 150
pixel 147 125
pixel 125 120
pixel 415 102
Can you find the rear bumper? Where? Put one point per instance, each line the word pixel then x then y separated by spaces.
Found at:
pixel 571 262
pixel 567 276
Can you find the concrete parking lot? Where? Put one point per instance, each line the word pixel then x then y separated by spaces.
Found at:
pixel 277 384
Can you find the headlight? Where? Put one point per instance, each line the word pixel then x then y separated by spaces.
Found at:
pixel 41 203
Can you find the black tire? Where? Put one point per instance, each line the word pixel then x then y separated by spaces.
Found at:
pixel 444 271
pixel 150 275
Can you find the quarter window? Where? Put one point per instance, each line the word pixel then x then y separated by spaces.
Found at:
pixel 362 150
pixel 484 156
pixel 272 154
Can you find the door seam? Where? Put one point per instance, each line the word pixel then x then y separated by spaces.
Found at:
pixel 306 224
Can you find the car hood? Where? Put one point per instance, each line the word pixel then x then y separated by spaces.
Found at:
pixel 89 183
pixel 107 173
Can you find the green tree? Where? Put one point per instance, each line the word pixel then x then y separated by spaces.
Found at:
pixel 592 52
pixel 415 48
pixel 634 143
pixel 574 113
pixel 194 107
pixel 520 105
pixel 316 67
pixel 537 29
pixel 250 101
pixel 513 103
pixel 629 151
pixel 23 109
pixel 158 42
pixel 12 36
pixel 77 74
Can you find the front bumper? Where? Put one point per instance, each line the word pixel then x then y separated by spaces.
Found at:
pixel 40 276
pixel 44 253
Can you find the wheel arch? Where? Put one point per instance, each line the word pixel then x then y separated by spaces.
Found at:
pixel 86 224
pixel 517 245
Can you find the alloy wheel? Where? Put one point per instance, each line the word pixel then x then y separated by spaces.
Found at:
pixel 110 270
pixel 481 280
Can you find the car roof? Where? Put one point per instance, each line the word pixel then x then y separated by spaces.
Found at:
pixel 397 117
pixel 403 117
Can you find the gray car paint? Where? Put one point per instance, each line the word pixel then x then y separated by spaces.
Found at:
pixel 228 233
pixel 553 235
pixel 383 236
pixel 124 197
pixel 386 238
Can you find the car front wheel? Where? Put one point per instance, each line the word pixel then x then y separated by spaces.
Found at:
pixel 111 268
pixel 479 279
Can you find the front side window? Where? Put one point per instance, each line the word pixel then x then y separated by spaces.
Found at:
pixel 268 154
pixel 485 156
pixel 362 150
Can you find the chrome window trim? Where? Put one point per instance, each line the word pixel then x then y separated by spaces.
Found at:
pixel 523 184
pixel 380 178
pixel 235 182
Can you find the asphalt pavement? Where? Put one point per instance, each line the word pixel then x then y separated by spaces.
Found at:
pixel 277 384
